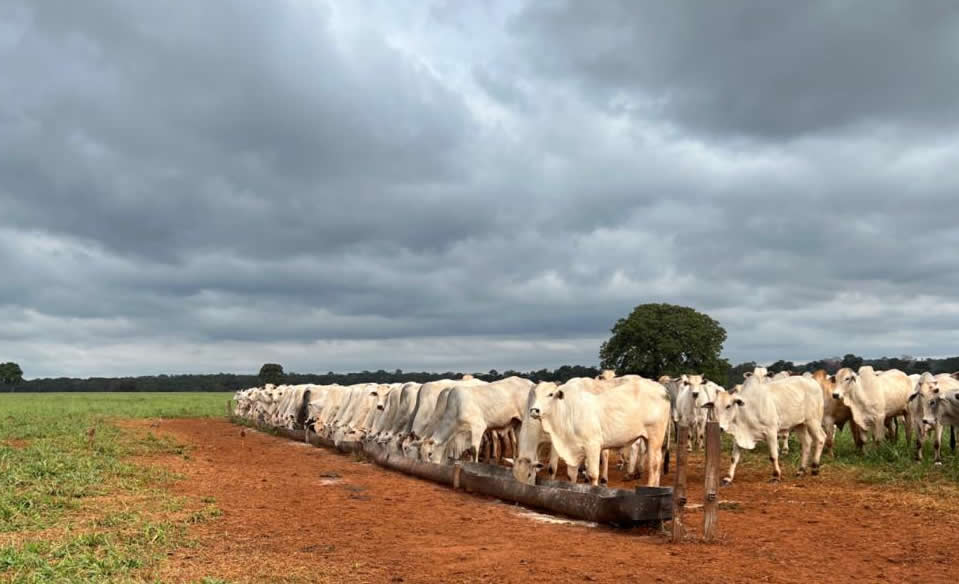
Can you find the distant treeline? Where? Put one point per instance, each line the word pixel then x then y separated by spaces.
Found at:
pixel 233 382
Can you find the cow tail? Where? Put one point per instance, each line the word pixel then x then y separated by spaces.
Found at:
pixel 669 433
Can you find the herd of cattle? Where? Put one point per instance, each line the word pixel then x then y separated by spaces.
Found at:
pixel 584 420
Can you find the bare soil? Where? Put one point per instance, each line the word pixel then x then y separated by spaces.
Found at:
pixel 295 513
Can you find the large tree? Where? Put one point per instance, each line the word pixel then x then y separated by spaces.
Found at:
pixel 271 373
pixel 665 339
pixel 11 374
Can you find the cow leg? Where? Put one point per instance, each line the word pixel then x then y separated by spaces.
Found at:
pixel 785 447
pixel 486 447
pixel 553 467
pixel 892 426
pixel 918 445
pixel 654 463
pixel 773 441
pixel 496 447
pixel 804 439
pixel 829 426
pixel 856 435
pixel 909 426
pixel 633 461
pixel 952 439
pixel 593 455
pixel 604 466
pixel 692 439
pixel 476 439
pixel 818 436
pixel 732 467
pixel 937 444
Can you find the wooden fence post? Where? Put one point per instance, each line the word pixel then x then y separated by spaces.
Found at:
pixel 679 489
pixel 713 454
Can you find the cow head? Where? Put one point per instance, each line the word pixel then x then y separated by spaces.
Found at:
pixel 545 395
pixel 924 401
pixel 847 382
pixel 524 470
pixel 726 407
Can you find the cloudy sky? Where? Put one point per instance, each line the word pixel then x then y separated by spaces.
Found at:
pixel 342 185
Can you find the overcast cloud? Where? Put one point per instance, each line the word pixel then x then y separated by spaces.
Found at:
pixel 202 187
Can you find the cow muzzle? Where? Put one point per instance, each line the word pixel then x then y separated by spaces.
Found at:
pixel 534 413
pixel 380 408
pixel 835 395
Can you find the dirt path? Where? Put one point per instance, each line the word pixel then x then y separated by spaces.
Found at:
pixel 292 512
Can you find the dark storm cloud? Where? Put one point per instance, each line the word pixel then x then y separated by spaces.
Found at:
pixel 756 69
pixel 195 187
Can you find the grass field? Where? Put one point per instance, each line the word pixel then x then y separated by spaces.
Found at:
pixel 73 507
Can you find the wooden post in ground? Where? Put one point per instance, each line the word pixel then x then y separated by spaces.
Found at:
pixel 679 488
pixel 713 454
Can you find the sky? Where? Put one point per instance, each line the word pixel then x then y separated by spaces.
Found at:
pixel 192 187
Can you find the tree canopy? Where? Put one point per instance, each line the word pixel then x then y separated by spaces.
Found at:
pixel 11 374
pixel 665 339
pixel 271 373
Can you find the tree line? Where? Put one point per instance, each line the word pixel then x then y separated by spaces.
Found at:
pixel 231 382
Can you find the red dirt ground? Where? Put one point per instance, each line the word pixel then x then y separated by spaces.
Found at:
pixel 283 520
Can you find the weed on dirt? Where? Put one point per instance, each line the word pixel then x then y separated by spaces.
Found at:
pixel 74 506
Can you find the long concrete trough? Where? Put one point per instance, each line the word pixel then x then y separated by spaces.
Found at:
pixel 619 507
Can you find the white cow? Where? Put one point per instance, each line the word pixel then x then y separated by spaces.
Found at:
pixel 761 410
pixel 394 435
pixel 834 413
pixel 874 398
pixel 582 423
pixel 947 414
pixel 694 391
pixel 472 411
pixel 431 396
pixel 924 410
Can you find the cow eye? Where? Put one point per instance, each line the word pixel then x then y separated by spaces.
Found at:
pixel 549 395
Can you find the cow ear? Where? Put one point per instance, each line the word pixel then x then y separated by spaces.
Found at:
pixel 913 396
pixel 739 402
pixel 559 394
pixel 832 378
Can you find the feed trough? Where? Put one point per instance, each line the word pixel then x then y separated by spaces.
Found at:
pixel 644 505
pixel 438 473
pixel 620 507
